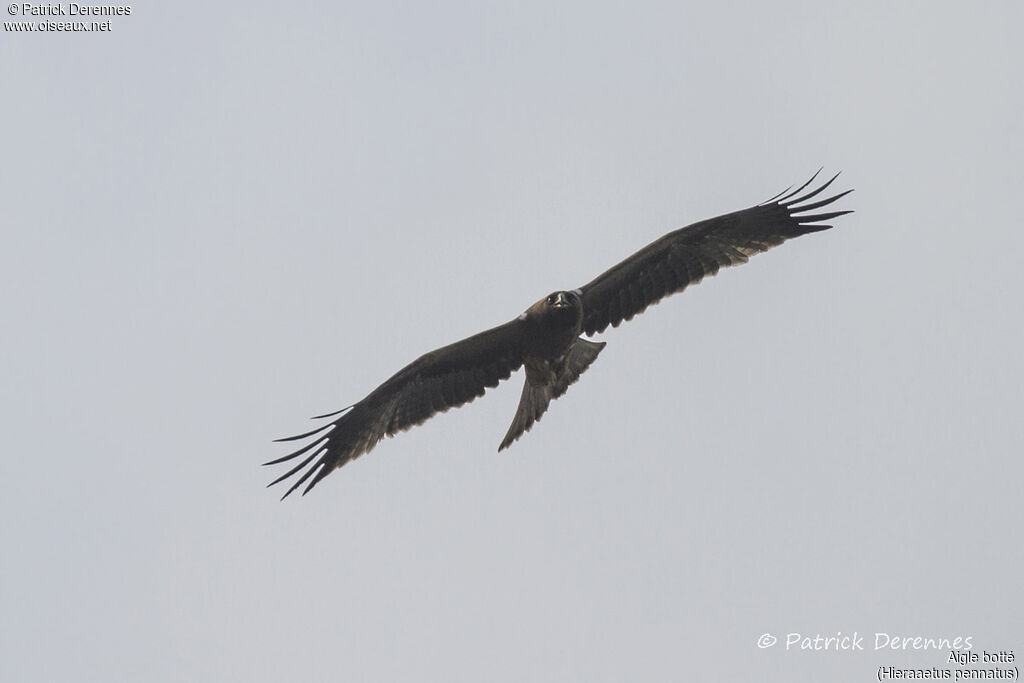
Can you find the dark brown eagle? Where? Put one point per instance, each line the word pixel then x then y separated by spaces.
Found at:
pixel 546 337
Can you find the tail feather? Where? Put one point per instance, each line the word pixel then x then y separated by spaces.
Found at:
pixel 544 384
pixel 532 404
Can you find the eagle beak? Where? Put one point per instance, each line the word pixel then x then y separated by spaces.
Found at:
pixel 561 301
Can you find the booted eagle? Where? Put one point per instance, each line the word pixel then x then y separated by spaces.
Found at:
pixel 546 337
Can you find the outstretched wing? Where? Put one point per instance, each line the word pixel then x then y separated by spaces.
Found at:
pixel 685 256
pixel 446 378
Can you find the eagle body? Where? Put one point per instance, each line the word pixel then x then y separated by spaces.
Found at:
pixel 554 356
pixel 551 325
pixel 546 339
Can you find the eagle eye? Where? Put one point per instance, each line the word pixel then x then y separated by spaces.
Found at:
pixel 551 298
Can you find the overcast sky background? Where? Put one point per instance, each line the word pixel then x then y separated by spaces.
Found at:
pixel 218 223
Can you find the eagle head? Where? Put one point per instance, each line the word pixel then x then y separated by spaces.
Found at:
pixel 564 300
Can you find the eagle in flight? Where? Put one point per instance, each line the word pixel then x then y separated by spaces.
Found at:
pixel 545 339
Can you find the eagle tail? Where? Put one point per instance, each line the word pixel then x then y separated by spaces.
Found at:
pixel 538 392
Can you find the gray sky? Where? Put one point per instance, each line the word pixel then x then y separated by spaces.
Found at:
pixel 219 223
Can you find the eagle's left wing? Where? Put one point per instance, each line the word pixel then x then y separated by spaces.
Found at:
pixel 445 378
pixel 685 256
